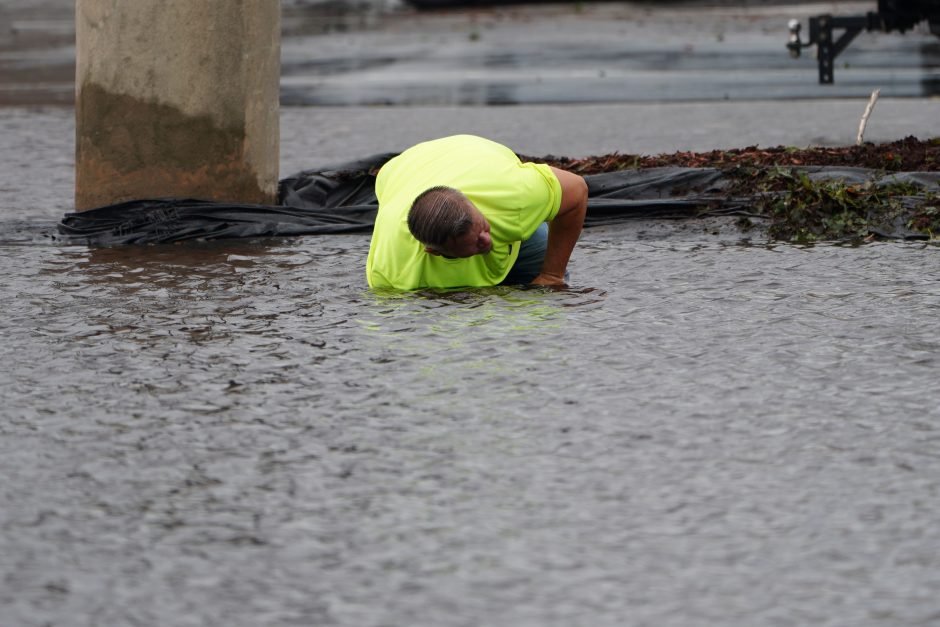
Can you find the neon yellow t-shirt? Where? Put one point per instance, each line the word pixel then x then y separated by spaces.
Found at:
pixel 514 197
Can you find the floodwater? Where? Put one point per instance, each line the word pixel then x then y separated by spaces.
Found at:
pixel 699 431
pixel 703 430
pixel 242 433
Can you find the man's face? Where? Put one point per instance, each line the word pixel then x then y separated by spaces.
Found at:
pixel 476 241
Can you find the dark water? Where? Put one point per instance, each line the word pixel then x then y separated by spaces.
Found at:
pixel 697 432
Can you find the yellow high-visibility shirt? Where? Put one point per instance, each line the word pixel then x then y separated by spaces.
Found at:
pixel 514 197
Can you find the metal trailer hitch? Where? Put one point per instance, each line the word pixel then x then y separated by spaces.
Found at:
pixel 899 15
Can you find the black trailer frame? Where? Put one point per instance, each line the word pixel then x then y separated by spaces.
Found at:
pixel 892 15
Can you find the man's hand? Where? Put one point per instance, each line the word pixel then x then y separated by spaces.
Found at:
pixel 549 280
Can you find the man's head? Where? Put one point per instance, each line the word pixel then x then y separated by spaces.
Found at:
pixel 448 224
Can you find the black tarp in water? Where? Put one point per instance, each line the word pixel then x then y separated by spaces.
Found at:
pixel 341 199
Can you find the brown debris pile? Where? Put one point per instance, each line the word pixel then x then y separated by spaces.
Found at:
pixel 907 155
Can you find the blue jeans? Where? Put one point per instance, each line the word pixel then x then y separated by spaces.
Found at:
pixel 531 255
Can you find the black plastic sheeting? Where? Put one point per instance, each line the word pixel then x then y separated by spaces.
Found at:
pixel 341 199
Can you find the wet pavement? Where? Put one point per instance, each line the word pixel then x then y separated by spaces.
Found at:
pixel 385 53
pixel 600 52
pixel 704 429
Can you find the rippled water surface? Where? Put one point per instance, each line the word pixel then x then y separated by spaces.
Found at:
pixel 241 433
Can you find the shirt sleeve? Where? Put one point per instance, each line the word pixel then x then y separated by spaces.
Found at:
pixel 538 194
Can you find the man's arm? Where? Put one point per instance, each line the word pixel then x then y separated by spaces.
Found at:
pixel 565 229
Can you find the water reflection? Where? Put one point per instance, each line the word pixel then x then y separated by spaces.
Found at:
pixel 472 350
pixel 456 318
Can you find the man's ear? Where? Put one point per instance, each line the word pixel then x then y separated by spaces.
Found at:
pixel 431 251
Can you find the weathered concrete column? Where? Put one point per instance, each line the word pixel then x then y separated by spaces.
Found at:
pixel 177 98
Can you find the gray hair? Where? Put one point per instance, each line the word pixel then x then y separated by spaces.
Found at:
pixel 438 214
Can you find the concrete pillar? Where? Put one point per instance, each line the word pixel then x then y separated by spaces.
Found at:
pixel 177 98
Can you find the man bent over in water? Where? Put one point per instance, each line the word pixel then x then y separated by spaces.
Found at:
pixel 464 211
